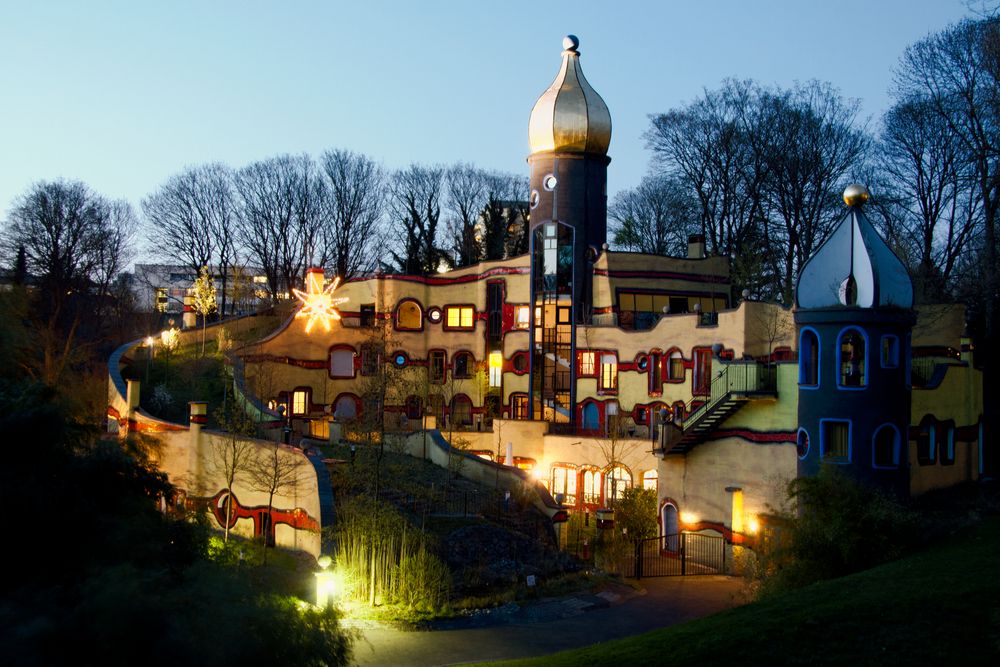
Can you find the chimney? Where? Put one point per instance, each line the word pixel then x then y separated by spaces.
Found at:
pixel 696 246
pixel 197 417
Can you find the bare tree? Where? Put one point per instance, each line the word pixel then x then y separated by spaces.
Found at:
pixel 272 473
pixel 615 448
pixel 204 294
pixel 282 201
pixel 466 190
pixel 232 456
pixel 415 206
pixel 356 202
pixel 76 243
pixel 655 218
pixel 504 218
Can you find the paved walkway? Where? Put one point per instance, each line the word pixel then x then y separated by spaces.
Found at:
pixel 550 625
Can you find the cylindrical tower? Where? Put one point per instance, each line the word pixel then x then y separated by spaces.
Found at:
pixel 855 313
pixel 569 132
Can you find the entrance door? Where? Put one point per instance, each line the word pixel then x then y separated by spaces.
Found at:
pixel 702 378
pixel 668 518
pixel 591 419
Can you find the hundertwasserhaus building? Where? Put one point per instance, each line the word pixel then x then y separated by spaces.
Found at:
pixel 596 370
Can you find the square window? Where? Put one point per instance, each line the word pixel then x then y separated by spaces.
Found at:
pixel 342 363
pixel 609 372
pixel 436 366
pixel 522 316
pixel 300 400
pixel 459 317
pixel 587 360
pixel 835 440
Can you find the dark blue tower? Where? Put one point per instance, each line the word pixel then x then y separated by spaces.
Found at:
pixel 854 315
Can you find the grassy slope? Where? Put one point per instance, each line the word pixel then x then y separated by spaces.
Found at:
pixel 940 607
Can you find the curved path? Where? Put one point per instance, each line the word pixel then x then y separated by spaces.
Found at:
pixel 553 625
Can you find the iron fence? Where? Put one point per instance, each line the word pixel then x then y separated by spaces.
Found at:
pixel 680 554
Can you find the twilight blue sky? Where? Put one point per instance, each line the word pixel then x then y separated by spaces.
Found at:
pixel 123 94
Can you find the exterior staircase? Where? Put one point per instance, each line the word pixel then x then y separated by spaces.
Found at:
pixel 732 387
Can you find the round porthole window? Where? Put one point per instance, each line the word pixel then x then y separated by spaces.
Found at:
pixel 399 360
pixel 520 362
pixel 643 363
pixel 533 201
pixel 434 315
pixel 550 182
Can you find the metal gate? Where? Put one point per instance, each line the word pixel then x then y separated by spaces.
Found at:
pixel 675 555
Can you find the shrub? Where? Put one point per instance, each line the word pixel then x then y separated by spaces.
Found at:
pixel 841 526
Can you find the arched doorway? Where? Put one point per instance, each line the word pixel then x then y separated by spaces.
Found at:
pixel 671 527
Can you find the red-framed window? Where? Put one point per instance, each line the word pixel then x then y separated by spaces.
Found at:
pixel 464 364
pixel 436 366
pixel 608 372
pixel 462 317
pixel 342 362
pixel 409 315
pixel 586 363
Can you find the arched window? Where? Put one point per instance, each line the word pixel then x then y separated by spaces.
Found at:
pixel 851 359
pixel 802 443
pixel 465 363
pixel 885 447
pixel 409 316
pixel 345 407
pixel 414 407
pixel 655 373
pixel 808 358
pixel 461 410
pixel 649 479
pixel 591 486
pixel 563 482
pixel 927 441
pixel 616 481
pixel 675 369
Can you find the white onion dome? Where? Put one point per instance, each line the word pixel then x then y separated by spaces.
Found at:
pixel 570 116
pixel 854 267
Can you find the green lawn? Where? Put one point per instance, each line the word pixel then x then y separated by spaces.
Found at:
pixel 940 606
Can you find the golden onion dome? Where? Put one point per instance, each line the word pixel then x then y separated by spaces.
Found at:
pixel 570 115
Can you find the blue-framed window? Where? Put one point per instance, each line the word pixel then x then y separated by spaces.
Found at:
pixel 852 359
pixel 885 447
pixel 802 443
pixel 835 440
pixel 948 443
pixel 890 351
pixel 927 441
pixel 809 347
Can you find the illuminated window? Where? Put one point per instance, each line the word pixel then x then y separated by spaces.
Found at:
pixel 885 447
pixel 649 479
pixel 496 368
pixel 563 482
pixel 459 317
pixel 587 361
pixel 409 315
pixel 300 401
pixel 609 372
pixel 162 300
pixel 342 363
pixel 435 367
pixel 616 481
pixel 591 486
pixel 851 358
pixel 519 406
pixel 835 440
pixel 676 369
pixel 522 315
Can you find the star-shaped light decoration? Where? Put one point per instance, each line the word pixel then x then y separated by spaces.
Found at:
pixel 318 304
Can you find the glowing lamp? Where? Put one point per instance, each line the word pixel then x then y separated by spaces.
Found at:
pixel 318 303
pixel 689 518
pixel 753 525
pixel 150 341
pixel 325 583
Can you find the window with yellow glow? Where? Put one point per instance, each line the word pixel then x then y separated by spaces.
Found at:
pixel 563 481
pixel 609 371
pixel 587 361
pixel 616 481
pixel 299 399
pixel 459 317
pixel 409 315
pixel 591 486
pixel 522 315
pixel 649 479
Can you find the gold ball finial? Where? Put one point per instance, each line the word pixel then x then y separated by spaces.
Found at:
pixel 855 195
